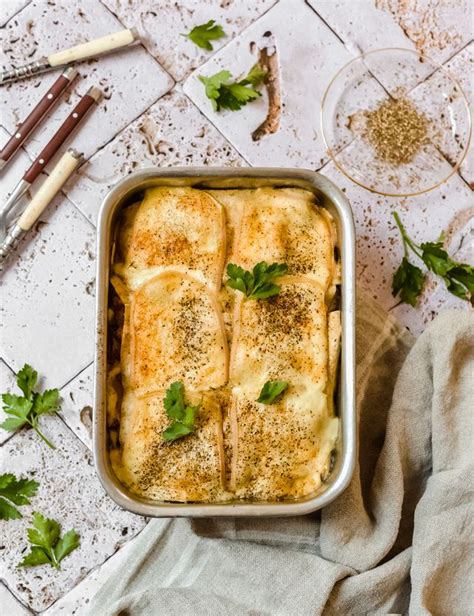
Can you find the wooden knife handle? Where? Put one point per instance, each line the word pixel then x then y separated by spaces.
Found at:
pixel 24 129
pixel 66 165
pixel 63 132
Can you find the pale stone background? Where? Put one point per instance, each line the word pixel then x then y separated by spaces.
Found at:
pixel 154 113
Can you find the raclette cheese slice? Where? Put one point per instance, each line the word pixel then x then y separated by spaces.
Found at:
pixel 282 450
pixel 174 332
pixel 182 228
pixel 286 226
pixel 283 338
pixel 188 469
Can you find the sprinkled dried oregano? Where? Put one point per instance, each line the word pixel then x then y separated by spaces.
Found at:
pixel 397 130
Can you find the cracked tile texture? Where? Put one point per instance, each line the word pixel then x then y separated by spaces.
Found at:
pixel 154 114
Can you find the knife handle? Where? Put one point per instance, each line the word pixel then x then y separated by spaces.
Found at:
pixel 63 132
pixel 94 48
pixel 64 168
pixel 24 129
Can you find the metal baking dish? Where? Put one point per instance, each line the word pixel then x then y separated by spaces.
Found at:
pixel 328 196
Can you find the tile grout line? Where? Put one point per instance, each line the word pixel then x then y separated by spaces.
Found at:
pixel 15 14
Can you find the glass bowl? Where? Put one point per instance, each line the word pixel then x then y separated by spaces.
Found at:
pixel 426 136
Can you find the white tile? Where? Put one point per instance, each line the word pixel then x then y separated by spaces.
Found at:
pixel 76 405
pixel 10 606
pixel 47 298
pixel 437 29
pixel 462 67
pixel 76 602
pixel 171 133
pixel 7 385
pixel 131 79
pixel 70 493
pixel 379 248
pixel 161 26
pixel 11 8
pixel 309 54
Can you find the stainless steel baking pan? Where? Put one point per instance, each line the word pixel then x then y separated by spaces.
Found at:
pixel 328 196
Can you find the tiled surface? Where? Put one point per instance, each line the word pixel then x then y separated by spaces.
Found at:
pixel 10 606
pixel 7 383
pixel 130 78
pixel 171 133
pixel 49 283
pixel 379 250
pixel 438 29
pixel 69 492
pixel 47 295
pixel 11 8
pixel 161 25
pixel 296 32
pixel 76 405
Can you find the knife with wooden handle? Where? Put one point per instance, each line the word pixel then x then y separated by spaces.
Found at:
pixel 25 128
pixel 78 52
pixel 62 171
pixel 91 97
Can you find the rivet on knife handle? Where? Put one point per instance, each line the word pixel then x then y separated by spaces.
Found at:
pixel 64 168
pixel 46 103
pixel 92 96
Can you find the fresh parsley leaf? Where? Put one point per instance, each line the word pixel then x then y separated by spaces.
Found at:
pixel 183 415
pixel 408 282
pixel 259 283
pixel 203 34
pixel 271 391
pixel 17 491
pixel 26 380
pixel 48 547
pixel 256 76
pixel 26 410
pixel 226 95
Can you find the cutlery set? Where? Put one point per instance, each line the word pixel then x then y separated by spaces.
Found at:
pixel 71 159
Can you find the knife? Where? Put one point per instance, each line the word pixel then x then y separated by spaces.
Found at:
pixel 64 168
pixel 79 52
pixel 72 121
pixel 24 129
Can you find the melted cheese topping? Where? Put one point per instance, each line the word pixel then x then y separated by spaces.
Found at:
pixel 155 469
pixel 179 323
pixel 284 226
pixel 176 333
pixel 181 227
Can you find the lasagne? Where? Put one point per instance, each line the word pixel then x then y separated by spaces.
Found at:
pixel 175 320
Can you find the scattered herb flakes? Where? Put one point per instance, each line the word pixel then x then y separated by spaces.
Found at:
pixel 48 547
pixel 205 33
pixel 408 280
pixel 271 391
pixel 182 414
pixel 27 409
pixel 17 491
pixel 259 283
pixel 225 94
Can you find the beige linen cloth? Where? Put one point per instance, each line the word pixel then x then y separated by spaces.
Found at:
pixel 397 541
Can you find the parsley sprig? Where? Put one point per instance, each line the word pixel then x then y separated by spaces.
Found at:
pixel 182 414
pixel 408 280
pixel 205 33
pixel 259 283
pixel 271 391
pixel 48 547
pixel 225 94
pixel 18 492
pixel 27 409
